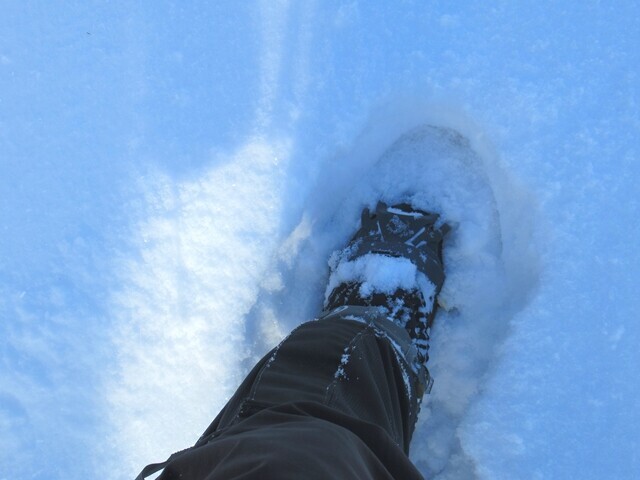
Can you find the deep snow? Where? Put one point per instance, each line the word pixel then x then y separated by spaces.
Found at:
pixel 175 176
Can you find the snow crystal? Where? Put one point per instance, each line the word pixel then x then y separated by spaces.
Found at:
pixel 340 373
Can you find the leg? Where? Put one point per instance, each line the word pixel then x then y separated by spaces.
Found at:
pixel 338 398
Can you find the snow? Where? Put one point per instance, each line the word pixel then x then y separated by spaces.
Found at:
pixel 175 176
pixel 340 372
pixel 377 273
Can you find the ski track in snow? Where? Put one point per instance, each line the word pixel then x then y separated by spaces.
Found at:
pixel 199 256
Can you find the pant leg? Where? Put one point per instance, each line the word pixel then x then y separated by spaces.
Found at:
pixel 345 364
pixel 351 365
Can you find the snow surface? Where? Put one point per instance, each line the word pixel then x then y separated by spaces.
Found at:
pixel 175 175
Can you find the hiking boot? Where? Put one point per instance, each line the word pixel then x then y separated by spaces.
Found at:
pixel 394 261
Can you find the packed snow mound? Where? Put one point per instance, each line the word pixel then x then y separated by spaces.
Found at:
pixel 490 259
pixel 186 282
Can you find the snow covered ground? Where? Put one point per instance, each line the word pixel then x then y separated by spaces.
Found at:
pixel 175 175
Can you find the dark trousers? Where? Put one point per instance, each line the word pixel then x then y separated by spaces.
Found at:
pixel 336 399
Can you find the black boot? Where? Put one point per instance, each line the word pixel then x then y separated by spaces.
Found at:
pixel 404 232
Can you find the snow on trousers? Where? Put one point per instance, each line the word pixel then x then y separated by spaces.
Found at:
pixel 336 399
